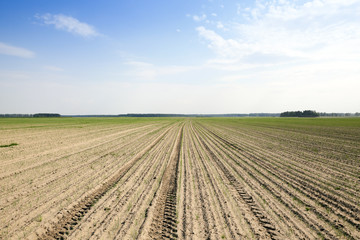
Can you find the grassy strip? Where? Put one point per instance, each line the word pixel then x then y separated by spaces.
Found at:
pixel 8 145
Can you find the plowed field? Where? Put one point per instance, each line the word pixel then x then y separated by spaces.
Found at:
pixel 176 178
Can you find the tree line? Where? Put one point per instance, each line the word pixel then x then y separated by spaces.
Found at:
pixel 324 114
pixel 200 115
pixel 36 115
pixel 306 113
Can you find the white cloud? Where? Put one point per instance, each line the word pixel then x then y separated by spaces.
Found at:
pixel 222 47
pixel 282 54
pixel 238 9
pixel 315 30
pixel 69 24
pixel 199 18
pixel 219 25
pixel 289 10
pixel 15 51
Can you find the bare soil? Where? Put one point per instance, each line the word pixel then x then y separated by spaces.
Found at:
pixel 179 179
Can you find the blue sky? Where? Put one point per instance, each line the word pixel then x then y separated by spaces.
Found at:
pixel 210 56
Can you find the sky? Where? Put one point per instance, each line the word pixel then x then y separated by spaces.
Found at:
pixel 179 56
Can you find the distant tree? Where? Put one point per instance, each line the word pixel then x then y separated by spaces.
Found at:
pixel 17 115
pixel 309 113
pixel 46 115
pixel 306 113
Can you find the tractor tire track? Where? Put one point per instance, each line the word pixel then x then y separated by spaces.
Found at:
pixel 72 216
pixel 164 224
pixel 312 223
pixel 78 177
pixel 270 230
pixel 303 188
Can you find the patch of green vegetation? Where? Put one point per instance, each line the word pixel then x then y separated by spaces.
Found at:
pixel 8 145
pixel 296 199
pixel 77 122
pixel 315 150
pixel 288 122
pixel 38 218
pixel 268 122
pixel 129 206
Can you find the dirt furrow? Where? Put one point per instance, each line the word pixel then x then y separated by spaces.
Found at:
pixel 101 167
pixel 72 216
pixel 201 214
pixel 270 230
pixel 312 223
pixel 306 161
pixel 48 161
pixel 303 187
pixel 127 199
pixel 257 187
pixel 65 141
pixel 53 174
pixel 185 226
pixel 295 158
pixel 177 178
pixel 228 208
pixel 164 222
pixel 303 179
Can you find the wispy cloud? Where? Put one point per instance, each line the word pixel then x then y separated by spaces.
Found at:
pixel 220 25
pixel 69 24
pixel 316 30
pixel 221 46
pixel 283 54
pixel 15 51
pixel 199 18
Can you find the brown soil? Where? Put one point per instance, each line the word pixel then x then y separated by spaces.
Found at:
pixel 188 179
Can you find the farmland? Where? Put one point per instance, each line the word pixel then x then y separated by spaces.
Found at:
pixel 180 178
